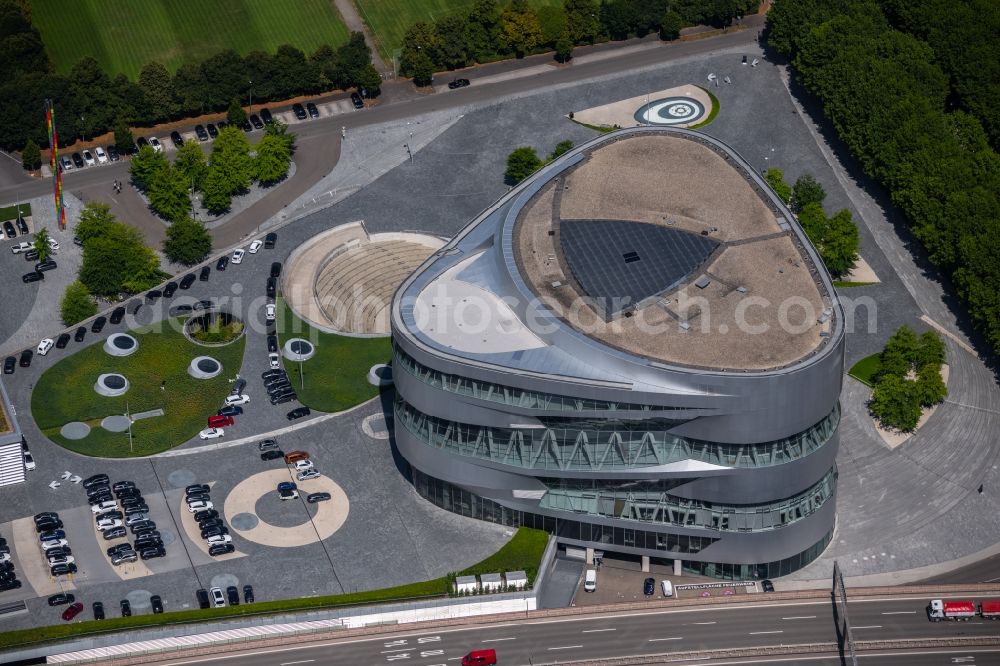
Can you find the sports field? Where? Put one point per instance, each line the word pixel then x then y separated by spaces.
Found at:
pixel 389 19
pixel 123 35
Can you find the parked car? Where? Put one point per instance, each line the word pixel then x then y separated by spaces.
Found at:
pixel 124 557
pixel 9 364
pixel 195 507
pixel 29 461
pixel 255 246
pixel 767 585
pixel 118 314
pixel 307 475
pixel 233 594
pixel 272 287
pixel 21 247
pixel 8 228
pixel 207 514
pixel 271 455
pixel 113 154
pixel 169 290
pixel 72 611
pixel 200 132
pixel 53 244
pixel 62 340
pixel 77 160
pixel 25 360
pixel 303 465
pixel 33 276
pixel 298 413
pixel 204 273
pixel 139 527
pixel 31 255
pixel 357 101
pixel 265 115
pixel 237 399
pixel 219 538
pixel 98 610
pixel 81 333
pixel 98 324
pixel 214 530
pixel 458 83
pixel 44 346
pixel 212 130
pixel 47 265
pixel 212 433
pixel 102 157
pixel 152 553
pixel 272 343
pixel 270 241
pixel 237 256
pixel 88 158
pixel 202 596
pixel 313 498
pixel 155 144
pixel 187 280
pixel 283 397
pixel 300 111
pixel 114 533
pixel 221 549
pixel 61 598
pixel 649 587
pixel 66 164
pixel 256 121
pixel 270 310
pixel 218 599
pixel 248 594
pixel 103 506
pixel 313 111
pixel 126 608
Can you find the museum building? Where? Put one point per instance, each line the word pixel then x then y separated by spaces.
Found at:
pixel 636 349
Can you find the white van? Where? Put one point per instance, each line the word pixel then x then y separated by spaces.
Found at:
pixel 590 580
pixel 667 587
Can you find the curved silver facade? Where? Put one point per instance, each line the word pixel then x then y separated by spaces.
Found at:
pixel 730 471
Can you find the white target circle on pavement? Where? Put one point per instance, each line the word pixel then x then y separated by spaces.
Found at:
pixel 670 111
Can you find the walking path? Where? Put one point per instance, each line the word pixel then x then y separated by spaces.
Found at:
pixel 352 18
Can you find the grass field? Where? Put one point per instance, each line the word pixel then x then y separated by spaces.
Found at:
pixel 10 212
pixel 389 19
pixel 124 35
pixel 65 392
pixel 865 369
pixel 336 378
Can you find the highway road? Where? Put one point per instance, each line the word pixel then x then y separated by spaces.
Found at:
pixel 983 571
pixel 632 633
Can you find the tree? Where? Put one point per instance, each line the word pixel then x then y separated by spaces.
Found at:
pixel 41 244
pixel 145 165
pixel 561 148
pixel 215 194
pixel 898 355
pixel 452 41
pixel 482 31
pixel 807 190
pixel 776 179
pixel 894 403
pixel 124 141
pixel 169 195
pixel 421 69
pixel 841 243
pixel 188 241
pixel 279 130
pixel 272 160
pixel 231 160
pixel 930 389
pixel 236 116
pixel 582 20
pixel 420 44
pixel 671 25
pixel 115 260
pixel 77 304
pixel 564 48
pixel 31 156
pixel 520 28
pixel 157 88
pixel 521 163
pixel 552 20
pixel 94 220
pixel 190 163
pixel 930 350
pixel 370 80
pixel 353 57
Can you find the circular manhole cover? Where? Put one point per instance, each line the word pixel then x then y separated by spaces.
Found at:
pixel 123 342
pixel 114 381
pixel 300 347
pixel 208 365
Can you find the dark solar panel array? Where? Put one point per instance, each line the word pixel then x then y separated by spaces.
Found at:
pixel 620 263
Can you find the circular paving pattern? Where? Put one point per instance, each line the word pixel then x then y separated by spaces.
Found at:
pixel 167 536
pixel 111 385
pixel 330 516
pixel 75 430
pixel 204 367
pixel 375 426
pixel 271 510
pixel 298 349
pixel 214 328
pixel 116 423
pixel 121 344
pixel 224 581
pixel 181 478
pixel 138 599
pixel 244 521
pixel 670 111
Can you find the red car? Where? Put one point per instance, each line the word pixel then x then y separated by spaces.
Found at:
pixel 72 611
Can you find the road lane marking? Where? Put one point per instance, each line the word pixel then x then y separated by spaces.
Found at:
pixel 304 661
pixel 756 633
pixel 703 623
pixel 596 631
pixel 396 650
pixel 800 617
pixel 497 640
pixel 672 638
pixel 871 626
pixel 428 639
pixel 899 612
pixel 566 647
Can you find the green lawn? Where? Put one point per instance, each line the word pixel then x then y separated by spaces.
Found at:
pixel 865 369
pixel 390 19
pixel 523 552
pixel 124 35
pixel 65 392
pixel 336 378
pixel 10 212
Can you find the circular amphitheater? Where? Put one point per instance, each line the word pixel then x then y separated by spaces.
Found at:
pixel 343 279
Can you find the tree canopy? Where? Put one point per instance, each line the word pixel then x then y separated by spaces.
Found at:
pixel 908 378
pixel 188 241
pixel 521 163
pixel 115 259
pixel 77 304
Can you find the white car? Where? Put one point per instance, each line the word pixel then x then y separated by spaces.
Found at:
pixel 104 506
pixel 218 599
pixel 256 245
pixel 53 244
pixel 105 524
pixel 44 346
pixel 274 360
pixel 238 256
pixel 202 505
pixel 88 159
pixel 20 247
pixel 61 559
pixel 4 557
pixel 102 157
pixel 54 543
pixel 155 144
pixel 269 311
pixel 211 433
pixel 308 474
pixel 288 494
pixel 219 538
pixel 303 465
pixel 237 400
pixel 29 461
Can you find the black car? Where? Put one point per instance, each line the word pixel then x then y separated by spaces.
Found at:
pixel 203 275
pixel 248 594
pixel 268 374
pixel 98 324
pixel 63 569
pixel 61 598
pixel 221 549
pixel 151 553
pixel 300 111
pixel 10 585
pixel 148 542
pixel 22 226
pixel 187 280
pixel 176 137
pixel 118 314
pixel 141 142
pixel 199 130
pixel 136 506
pixel 246 126
pixel 279 389
pixel 178 310
pixel 142 525
pixel 275 269
pixel 33 276
pixel 238 385
pixel 221 124
pixel 234 595
pixel 45 515
pixel 283 398
pixel 212 130
pixel 767 584
pixel 276 382
pixel 206 514
pixel 98 498
pixel 214 530
pixel 9 229
pixel 265 115
pixel 62 340
pixel 153 294
pixel 206 304
pixel 31 255
pixel 114 533
pixel 119 486
pixel 169 290
pixel 113 154
pixel 648 587
pixel 256 121
pixel 98 606
pixel 52 534
pixel 230 410
pixel 270 240
pixel 125 492
pixel 272 455
pixel 9 364
pixel 26 358
pixel 197 488
pixel 80 334
pixel 313 111
pixel 298 413
pixel 148 534
pixel 272 286
pixel 197 497
pixel 77 160
pixel 458 83
pixel 357 101
pixel 120 548
pixel 272 343
pixel 126 608
pixel 312 498
pixel 203 601
pixel 221 264
pixel 210 523
pixel 47 265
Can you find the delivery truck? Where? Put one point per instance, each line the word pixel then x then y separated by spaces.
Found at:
pixel 939 609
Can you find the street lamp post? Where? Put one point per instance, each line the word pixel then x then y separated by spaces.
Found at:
pixel 251 97
pixel 83 130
